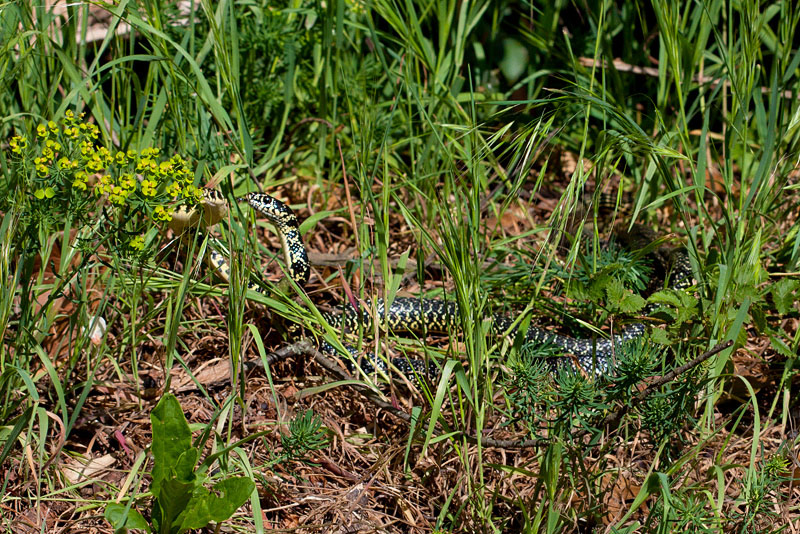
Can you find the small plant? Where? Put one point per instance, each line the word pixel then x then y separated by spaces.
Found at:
pixel 306 434
pixel 762 489
pixel 181 501
pixel 530 385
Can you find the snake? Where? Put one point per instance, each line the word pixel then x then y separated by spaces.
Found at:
pixel 403 313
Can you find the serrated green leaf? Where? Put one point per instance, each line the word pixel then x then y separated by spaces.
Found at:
pixel 682 306
pixel 781 347
pixel 622 299
pixel 665 297
pixel 669 312
pixel 633 303
pixel 659 335
pixel 783 295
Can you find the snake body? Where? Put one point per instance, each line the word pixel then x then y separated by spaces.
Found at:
pixel 404 313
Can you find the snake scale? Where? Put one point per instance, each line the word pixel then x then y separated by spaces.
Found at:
pixel 404 313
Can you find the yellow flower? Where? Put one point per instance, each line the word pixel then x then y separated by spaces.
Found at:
pixel 53 127
pixel 192 193
pixel 41 131
pixel 95 164
pixel 143 163
pixel 42 170
pixel 79 184
pixel 69 117
pixel 127 181
pixel 117 196
pixel 162 215
pixel 105 153
pixel 149 188
pixel 174 189
pixel 18 144
pixel 87 149
pixel 41 194
pixel 137 243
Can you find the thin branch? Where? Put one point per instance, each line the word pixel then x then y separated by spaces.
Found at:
pixel 306 348
pixel 614 417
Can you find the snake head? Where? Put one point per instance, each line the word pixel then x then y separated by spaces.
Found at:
pixel 285 221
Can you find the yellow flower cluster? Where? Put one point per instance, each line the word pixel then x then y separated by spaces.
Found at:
pixel 65 163
pixel 68 153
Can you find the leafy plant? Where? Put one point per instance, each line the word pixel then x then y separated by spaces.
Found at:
pixel 306 434
pixel 180 500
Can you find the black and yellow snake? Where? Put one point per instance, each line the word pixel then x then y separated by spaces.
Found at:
pixel 404 314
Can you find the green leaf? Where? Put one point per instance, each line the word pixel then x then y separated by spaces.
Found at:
pixel 783 295
pixel 49 192
pixel 171 440
pixel 515 59
pixel 658 335
pixel 121 516
pixel 781 347
pixel 206 506
pixel 622 299
pixel 684 304
pixel 173 498
pixel 39 193
pixel 670 298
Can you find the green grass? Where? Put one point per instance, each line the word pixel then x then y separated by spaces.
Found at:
pixel 426 143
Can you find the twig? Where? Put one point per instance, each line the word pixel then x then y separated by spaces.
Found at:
pixel 614 417
pixel 305 347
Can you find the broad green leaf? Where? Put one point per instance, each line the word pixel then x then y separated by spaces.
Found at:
pixel 171 502
pixel 120 516
pixel 217 506
pixel 171 438
pixel 184 467
pixel 515 59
